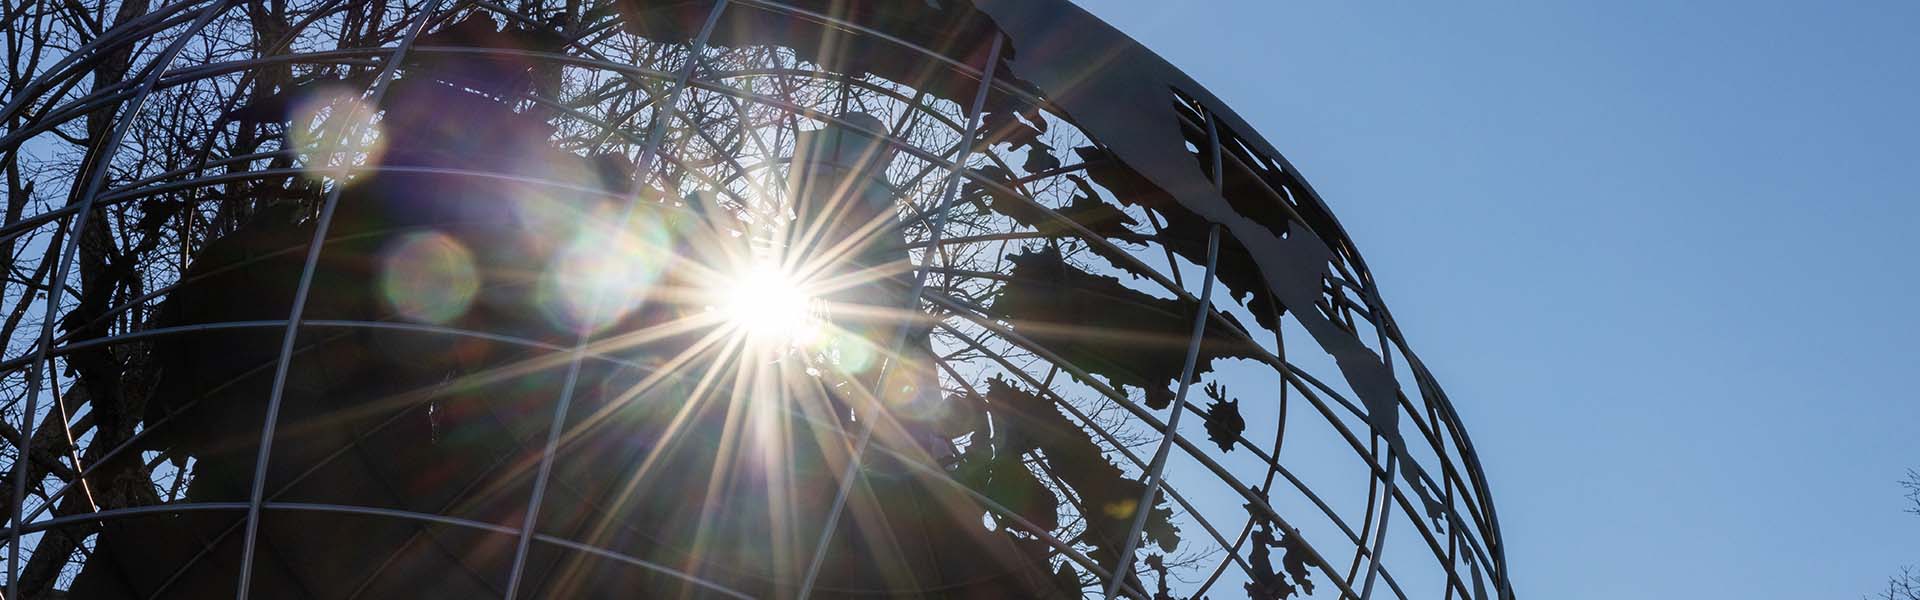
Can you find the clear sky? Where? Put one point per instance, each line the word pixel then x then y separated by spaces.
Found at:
pixel 1661 254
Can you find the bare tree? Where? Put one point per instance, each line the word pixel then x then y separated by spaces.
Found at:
pixel 1906 585
pixel 1912 483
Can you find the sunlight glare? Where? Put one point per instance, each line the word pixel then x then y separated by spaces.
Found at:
pixel 769 305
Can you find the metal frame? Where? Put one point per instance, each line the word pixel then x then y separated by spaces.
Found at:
pixel 1471 530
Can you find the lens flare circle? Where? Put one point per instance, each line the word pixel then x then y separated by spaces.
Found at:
pixel 603 273
pixel 334 128
pixel 428 277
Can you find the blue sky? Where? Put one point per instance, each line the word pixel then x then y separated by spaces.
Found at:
pixel 1662 255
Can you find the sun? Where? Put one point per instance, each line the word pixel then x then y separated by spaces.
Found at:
pixel 769 305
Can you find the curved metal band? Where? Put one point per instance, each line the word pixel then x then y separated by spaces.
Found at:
pixel 316 507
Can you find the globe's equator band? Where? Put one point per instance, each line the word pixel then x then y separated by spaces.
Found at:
pixel 698 115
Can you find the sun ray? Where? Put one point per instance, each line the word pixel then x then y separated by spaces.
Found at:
pixel 665 444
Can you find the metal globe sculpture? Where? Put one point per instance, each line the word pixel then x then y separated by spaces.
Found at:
pixel 736 298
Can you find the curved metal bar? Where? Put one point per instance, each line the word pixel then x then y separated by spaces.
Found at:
pixel 1292 375
pixel 132 511
pixel 123 89
pixel 1154 422
pixel 1395 492
pixel 1384 321
pixel 1272 462
pixel 957 65
pixel 1300 379
pixel 316 323
pixel 502 529
pixel 613 129
pixel 124 33
pixel 113 92
pixel 891 140
pixel 852 470
pixel 715 76
pixel 608 554
pixel 1279 437
pixel 85 104
pixel 718 76
pixel 1157 471
pixel 137 436
pixel 122 513
pixel 1452 479
pixel 1272 465
pixel 1178 498
pixel 1479 504
pixel 955 126
pixel 327 207
pixel 448 520
pixel 771 102
pixel 1380 534
pixel 118 91
pixel 197 167
pixel 130 194
pixel 124 195
pixel 664 113
pixel 934 474
pixel 1176 289
pixel 95 179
